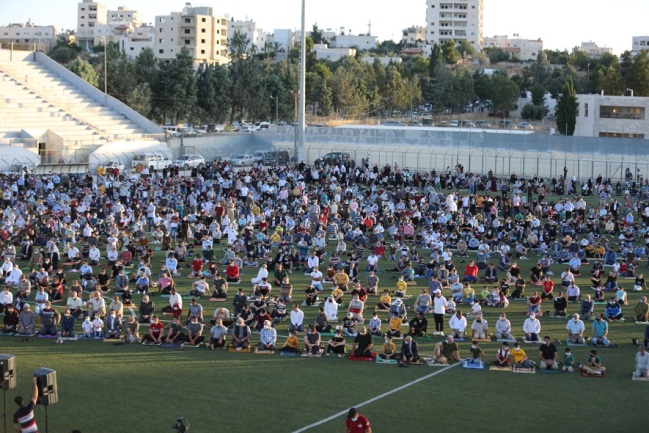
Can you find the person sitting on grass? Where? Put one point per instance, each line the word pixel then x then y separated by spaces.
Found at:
pixel 594 366
pixel 532 328
pixel 321 322
pixel 613 310
pixel 175 331
pixel 504 328
pixel 534 305
pixel 336 344
pixel 375 325
pixel 199 287
pixel 641 363
pixel 218 332
pixel 240 335
pixel 548 354
pixel 418 326
pixel 560 305
pixel 267 337
pixel 384 301
pixel 458 324
pixel 291 345
pixel 398 306
pixel 155 335
pixel 394 328
pixel 446 350
pixel 132 330
pixel 356 307
pixel 10 320
pixel 568 361
pixel 220 292
pixel 49 320
pixel 312 341
pixel 388 349
pixel 600 332
pixel 113 325
pixel 641 310
pixel 479 328
pixel 409 352
pixel 587 306
pixel 519 358
pixel 363 344
pixel 502 356
pixel 146 309
pixel 576 329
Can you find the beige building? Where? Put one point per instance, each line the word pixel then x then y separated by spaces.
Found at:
pixel 324 52
pixel 89 15
pixel 594 51
pixel 459 20
pixel 28 36
pixel 523 49
pixel 612 116
pixel 196 29
pixel 413 35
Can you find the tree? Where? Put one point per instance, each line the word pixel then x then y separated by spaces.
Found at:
pixel 533 112
pixel 316 35
pixel 465 48
pixel 246 74
pixel 435 59
pixel 64 54
pixel 179 84
pixel 609 80
pixel 451 56
pixel 140 99
pixel 84 70
pixel 567 108
pixel 637 77
pixel 538 94
pixel 497 55
pixel 503 93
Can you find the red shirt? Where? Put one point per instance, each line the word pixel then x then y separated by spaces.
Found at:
pixel 197 264
pixel 156 328
pixel 548 286
pixel 471 270
pixel 359 426
pixel 232 271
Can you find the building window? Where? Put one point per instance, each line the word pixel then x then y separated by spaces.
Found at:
pixel 187 41
pixel 586 110
pixel 160 41
pixel 161 51
pixel 132 48
pixel 633 113
pixel 203 20
pixel 202 30
pixel 187 31
pixel 162 19
pixel 83 17
pixel 202 51
pixel 188 21
pixel 202 41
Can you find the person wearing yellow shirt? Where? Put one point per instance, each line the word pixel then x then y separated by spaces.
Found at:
pixel 519 357
pixel 388 350
pixel 384 301
pixel 341 280
pixel 394 330
pixel 401 287
pixel 292 344
pixel 337 294
pixel 468 294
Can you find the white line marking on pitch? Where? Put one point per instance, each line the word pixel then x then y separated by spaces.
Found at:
pixel 378 397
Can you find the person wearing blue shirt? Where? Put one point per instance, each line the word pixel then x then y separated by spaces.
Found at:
pixel 613 310
pixel 600 331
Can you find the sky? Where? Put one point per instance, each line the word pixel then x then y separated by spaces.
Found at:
pixel 562 24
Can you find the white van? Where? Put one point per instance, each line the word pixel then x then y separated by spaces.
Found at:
pixel 153 161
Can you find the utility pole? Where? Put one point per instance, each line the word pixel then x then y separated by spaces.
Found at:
pixel 301 150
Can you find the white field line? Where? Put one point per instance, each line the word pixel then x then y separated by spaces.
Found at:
pixel 378 397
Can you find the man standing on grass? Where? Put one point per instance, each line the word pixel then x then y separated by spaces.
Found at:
pixel 24 419
pixel 357 423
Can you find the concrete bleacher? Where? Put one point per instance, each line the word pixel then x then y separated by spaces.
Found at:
pixel 33 99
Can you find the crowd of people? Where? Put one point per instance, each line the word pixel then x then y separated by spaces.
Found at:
pixel 340 224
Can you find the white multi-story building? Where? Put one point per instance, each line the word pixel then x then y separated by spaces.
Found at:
pixel 639 43
pixel 196 29
pixel 523 49
pixel 413 35
pixel 612 116
pixel 124 15
pixel 89 14
pixel 255 35
pixel 137 41
pixel 459 20
pixel 593 51
pixel 324 52
pixel 284 38
pixel 29 36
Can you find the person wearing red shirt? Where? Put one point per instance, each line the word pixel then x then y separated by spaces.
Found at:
pixel 548 288
pixel 471 272
pixel 232 273
pixel 357 423
pixel 197 267
pixel 155 332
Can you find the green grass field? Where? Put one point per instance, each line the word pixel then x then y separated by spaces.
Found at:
pixel 118 388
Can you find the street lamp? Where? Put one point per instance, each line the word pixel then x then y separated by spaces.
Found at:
pixel 276 98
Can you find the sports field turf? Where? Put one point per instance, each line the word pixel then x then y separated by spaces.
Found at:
pixel 131 388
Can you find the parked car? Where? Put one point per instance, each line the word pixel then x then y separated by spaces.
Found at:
pixel 454 123
pixel 332 157
pixel 506 124
pixel 247 129
pixel 275 157
pixel 258 155
pixel 190 161
pixel 114 165
pixel 482 124
pixel 392 123
pixel 525 125
pixel 443 123
pixel 154 161
pixel 243 159
pixel 466 124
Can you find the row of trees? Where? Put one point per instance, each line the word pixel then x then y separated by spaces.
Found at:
pixel 254 86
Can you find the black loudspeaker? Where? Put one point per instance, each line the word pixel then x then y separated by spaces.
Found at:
pixel 8 371
pixel 46 384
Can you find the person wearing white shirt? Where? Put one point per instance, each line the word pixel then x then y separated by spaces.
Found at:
pixel 641 363
pixel 297 319
pixel 458 325
pixel 576 330
pixel 172 264
pixel 6 298
pixel 7 267
pixel 174 300
pixel 532 328
pixel 262 273
pixel 312 262
pixel 316 279
pixel 331 309
pixel 372 262
pixel 504 328
pixel 439 309
pixel 94 255
pixel 14 277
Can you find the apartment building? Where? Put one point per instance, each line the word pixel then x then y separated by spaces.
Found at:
pixel 196 29
pixel 89 15
pixel 594 51
pixel 249 28
pixel 612 116
pixel 28 36
pixel 522 49
pixel 459 20
pixel 412 35
pixel 639 43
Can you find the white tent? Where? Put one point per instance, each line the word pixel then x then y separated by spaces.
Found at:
pixel 11 155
